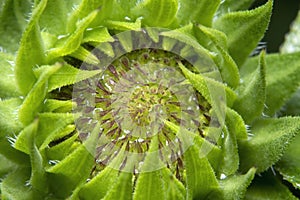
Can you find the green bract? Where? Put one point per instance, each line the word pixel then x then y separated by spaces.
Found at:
pixel 146 99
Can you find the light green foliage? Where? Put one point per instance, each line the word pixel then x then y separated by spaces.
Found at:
pixel 31 52
pixel 242 132
pixel 201 12
pixel 228 68
pixel 13 17
pixel 157 12
pixel 9 123
pixel 244 30
pixel 32 103
pixel 232 5
pixel 268 187
pixel 288 166
pixel 252 93
pixel 7 83
pixel 282 76
pixel 235 186
pixel 269 140
pixel 65 75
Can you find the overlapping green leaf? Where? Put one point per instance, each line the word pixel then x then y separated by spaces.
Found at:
pixel 31 51
pixel 157 13
pixel 197 11
pixel 268 187
pixel 32 103
pixel 282 76
pixel 9 123
pixel 122 189
pixel 200 183
pixel 99 186
pixel 54 105
pixel 230 162
pixel 232 5
pixel 244 30
pixel 14 186
pixel 235 186
pixel 289 164
pixel 13 20
pixel 69 43
pixel 38 179
pixel 228 68
pixel 64 176
pixel 150 184
pixel 66 75
pixel 252 93
pixel 63 149
pixel 268 143
pixel 173 187
pixel 54 17
pixel 235 124
pixel 7 82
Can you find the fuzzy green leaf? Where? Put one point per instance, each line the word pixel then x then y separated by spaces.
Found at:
pixel 235 124
pixel 98 187
pixel 173 187
pixel 9 123
pixel 13 19
pixel 61 150
pixel 200 183
pixel 122 189
pixel 268 143
pixel 213 91
pixel 52 126
pixel 33 101
pixel 203 183
pixel 54 105
pixel 230 160
pixel 235 186
pixel 6 166
pixel 282 76
pixel 15 186
pixel 228 69
pixel 252 93
pixel 289 164
pixel 70 172
pixel 292 106
pixel 66 75
pixel 98 34
pixel 211 151
pixel 268 187
pixel 232 5
pixel 157 13
pixel 69 43
pixel 8 86
pixel 244 30
pixel 9 152
pixel 85 55
pixel 197 11
pixel 38 179
pixel 31 52
pixel 123 26
pixel 54 17
pixel 150 184
pixel 85 7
